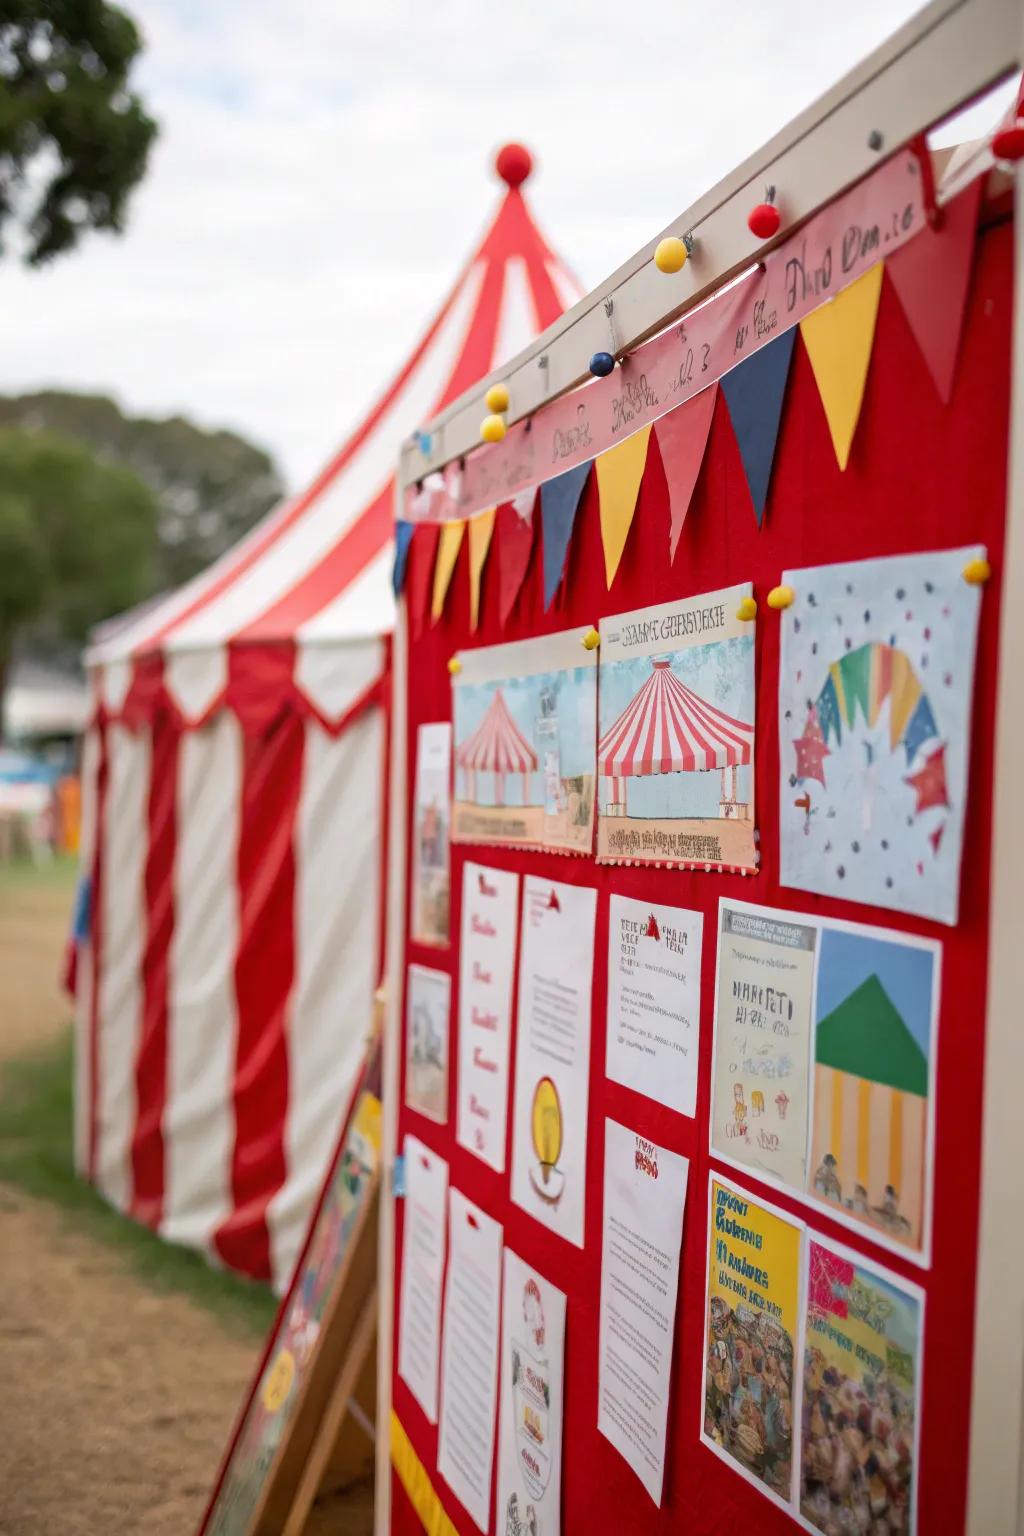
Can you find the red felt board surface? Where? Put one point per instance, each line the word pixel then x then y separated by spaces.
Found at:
pixel 922 476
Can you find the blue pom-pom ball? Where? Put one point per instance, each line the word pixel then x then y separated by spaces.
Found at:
pixel 601 364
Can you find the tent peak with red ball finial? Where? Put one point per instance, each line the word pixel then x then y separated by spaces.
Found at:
pixel 513 163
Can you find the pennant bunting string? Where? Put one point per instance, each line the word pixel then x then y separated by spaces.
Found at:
pixel 619 473
pixel 754 393
pixel 447 553
pixel 682 440
pixel 838 337
pixel 559 502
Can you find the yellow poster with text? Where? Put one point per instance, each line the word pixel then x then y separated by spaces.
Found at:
pixel 751 1331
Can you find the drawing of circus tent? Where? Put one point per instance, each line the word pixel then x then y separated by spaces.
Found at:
pixel 667 728
pixel 499 747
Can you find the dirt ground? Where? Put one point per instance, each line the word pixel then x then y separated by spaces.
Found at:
pixel 116 1401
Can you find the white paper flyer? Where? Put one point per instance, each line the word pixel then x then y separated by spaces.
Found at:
pixel 530 1434
pixel 490 898
pixel 419 1322
pixel 654 1000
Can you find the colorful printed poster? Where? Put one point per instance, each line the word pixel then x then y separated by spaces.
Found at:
pixel 469 1365
pixel 654 1000
pixel 431 834
pixel 427 1005
pixel 760 1075
pixel 836 1024
pixel 675 756
pixel 750 1339
pixel 490 902
pixel 874 1060
pixel 861 1395
pixel 525 727
pixel 552 1088
pixel 644 1202
pixel 530 1433
pixel 875 686
pixel 423 1235
pixel 273 1400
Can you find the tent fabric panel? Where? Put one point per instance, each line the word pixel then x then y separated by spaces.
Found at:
pixel 334 678
pixel 198 1121
pixel 337 904
pixel 264 975
pixel 86 970
pixel 120 980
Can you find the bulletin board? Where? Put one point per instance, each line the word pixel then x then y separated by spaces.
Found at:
pixel 922 475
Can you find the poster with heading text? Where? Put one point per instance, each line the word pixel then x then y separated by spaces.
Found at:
pixel 490 899
pixel 654 954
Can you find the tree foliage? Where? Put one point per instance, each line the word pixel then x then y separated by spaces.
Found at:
pixel 77 538
pixel 211 487
pixel 74 138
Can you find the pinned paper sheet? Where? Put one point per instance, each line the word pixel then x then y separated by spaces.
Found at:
pixel 530 1434
pixel 490 902
pixel 447 553
pixel 481 529
pixel 839 337
pixel 419 1320
pixel 619 473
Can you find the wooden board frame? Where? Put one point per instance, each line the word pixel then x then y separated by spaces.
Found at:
pixel 941 60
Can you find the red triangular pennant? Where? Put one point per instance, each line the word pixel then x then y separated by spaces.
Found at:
pixel 515 545
pixel 931 275
pixel 420 579
pixel 682 438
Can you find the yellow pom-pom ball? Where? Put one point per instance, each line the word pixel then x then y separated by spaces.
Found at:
pixel 977 572
pixel 747 610
pixel 454 666
pixel 670 255
pixel 492 429
pixel 496 398
pixel 591 640
pixel 780 597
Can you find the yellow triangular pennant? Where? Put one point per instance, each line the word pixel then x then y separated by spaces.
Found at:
pixel 838 338
pixel 619 472
pixel 480 529
pixel 448 546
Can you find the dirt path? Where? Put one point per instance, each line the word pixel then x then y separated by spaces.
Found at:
pixel 115 1401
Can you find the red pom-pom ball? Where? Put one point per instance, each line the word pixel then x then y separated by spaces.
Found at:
pixel 764 220
pixel 513 164
pixel 1008 143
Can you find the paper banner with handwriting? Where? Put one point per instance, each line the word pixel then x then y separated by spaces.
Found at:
pixel 675 756
pixel 525 719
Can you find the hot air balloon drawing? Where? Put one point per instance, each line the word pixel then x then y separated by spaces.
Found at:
pixel 547 1131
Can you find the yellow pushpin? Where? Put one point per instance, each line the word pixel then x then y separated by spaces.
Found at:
pixel 492 429
pixel 670 254
pixel 496 398
pixel 454 666
pixel 780 597
pixel 977 572
pixel 747 610
pixel 591 640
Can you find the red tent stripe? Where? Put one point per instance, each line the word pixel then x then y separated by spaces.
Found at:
pixel 497 745
pixel 667 728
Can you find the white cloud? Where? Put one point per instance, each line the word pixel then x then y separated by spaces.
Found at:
pixel 323 169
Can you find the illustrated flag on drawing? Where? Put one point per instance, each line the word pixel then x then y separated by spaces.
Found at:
pixel 838 338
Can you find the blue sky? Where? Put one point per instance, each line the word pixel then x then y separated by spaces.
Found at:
pixel 323 170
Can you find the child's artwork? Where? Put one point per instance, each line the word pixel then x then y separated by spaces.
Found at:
pixel 750 1338
pixel 675 756
pixel 430 894
pixel 525 728
pixel 875 686
pixel 823 1072
pixel 427 1004
pixel 861 1390
pixel 274 1396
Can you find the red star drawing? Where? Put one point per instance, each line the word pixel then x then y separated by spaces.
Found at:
pixel 929 782
pixel 811 750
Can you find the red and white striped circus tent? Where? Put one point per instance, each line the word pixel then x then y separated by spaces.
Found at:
pixel 497 746
pixel 234 781
pixel 667 728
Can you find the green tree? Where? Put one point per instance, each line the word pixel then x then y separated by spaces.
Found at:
pixel 74 138
pixel 77 539
pixel 211 487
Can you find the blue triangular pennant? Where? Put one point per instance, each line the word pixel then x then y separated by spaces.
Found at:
pixel 921 727
pixel 559 501
pixel 754 392
pixel 403 538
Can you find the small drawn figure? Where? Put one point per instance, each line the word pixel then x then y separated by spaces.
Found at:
pixel 739 1108
pixel 858 1201
pixel 513 1524
pixel 757 1101
pixel 781 1103
pixel 826 1180
pixel 888 1213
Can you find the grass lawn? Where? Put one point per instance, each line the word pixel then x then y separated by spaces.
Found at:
pixel 36 1150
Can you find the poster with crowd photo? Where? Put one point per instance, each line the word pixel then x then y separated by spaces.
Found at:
pixel 824 1066
pixel 525 727
pixel 876 678
pixel 675 755
pixel 431 834
pixel 749 1397
pixel 861 1369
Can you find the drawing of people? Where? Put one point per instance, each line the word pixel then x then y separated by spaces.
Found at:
pixel 826 1179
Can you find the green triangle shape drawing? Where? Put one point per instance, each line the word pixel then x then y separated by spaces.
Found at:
pixel 866 1037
